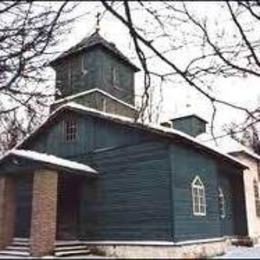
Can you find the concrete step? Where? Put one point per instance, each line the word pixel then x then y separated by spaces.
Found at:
pixel 18 248
pixel 72 253
pixel 68 243
pixel 69 248
pixel 20 239
pixel 14 253
pixel 20 244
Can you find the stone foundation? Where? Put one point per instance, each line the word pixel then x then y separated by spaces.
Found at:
pixel 195 250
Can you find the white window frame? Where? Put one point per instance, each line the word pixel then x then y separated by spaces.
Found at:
pixel 222 208
pixel 104 105
pixel 198 195
pixel 84 71
pixel 70 130
pixel 115 77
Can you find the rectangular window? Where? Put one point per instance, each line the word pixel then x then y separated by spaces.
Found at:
pixel 221 203
pixel 70 130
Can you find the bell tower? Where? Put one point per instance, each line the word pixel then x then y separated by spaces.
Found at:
pixel 95 64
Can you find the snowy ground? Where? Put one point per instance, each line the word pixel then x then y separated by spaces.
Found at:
pixel 232 253
pixel 242 252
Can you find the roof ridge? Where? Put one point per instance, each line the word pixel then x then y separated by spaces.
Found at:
pixel 156 129
pixel 93 40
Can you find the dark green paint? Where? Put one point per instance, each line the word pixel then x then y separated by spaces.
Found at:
pixel 98 65
pixel 191 125
pixel 144 188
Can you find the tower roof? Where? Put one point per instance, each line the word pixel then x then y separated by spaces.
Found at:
pixel 92 41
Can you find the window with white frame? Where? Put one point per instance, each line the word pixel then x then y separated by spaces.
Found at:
pixel 115 77
pixel 70 130
pixel 198 197
pixel 84 69
pixel 221 200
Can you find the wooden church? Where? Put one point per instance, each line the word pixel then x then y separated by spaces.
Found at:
pixel 92 177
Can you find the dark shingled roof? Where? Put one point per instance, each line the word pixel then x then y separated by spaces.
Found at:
pixel 94 40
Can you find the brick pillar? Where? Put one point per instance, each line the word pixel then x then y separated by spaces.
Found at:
pixel 7 210
pixel 44 210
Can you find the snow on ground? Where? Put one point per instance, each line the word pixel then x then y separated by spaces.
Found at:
pixel 242 252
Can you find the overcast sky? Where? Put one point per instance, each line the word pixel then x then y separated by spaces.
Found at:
pixel 240 91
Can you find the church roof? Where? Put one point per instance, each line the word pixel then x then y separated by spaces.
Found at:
pixel 227 144
pixel 92 41
pixel 182 116
pixel 166 132
pixel 49 161
pixel 89 91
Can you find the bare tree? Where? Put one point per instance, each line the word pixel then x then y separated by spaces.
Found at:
pixel 222 47
pixel 28 32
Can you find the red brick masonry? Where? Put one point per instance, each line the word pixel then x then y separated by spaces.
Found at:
pixel 7 210
pixel 44 210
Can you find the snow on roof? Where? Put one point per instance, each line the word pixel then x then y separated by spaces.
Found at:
pixel 152 127
pixel 227 144
pixel 51 159
pixel 170 132
pixel 71 97
pixel 183 115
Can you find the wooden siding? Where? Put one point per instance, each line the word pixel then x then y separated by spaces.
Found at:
pixel 93 133
pixel 188 163
pixel 131 199
pixel 79 81
pixel 124 90
pixel 96 100
pixel 144 189
pixel 99 64
pixel 190 125
pixel 23 206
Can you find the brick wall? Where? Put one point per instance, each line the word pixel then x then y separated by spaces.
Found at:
pixel 253 221
pixel 44 209
pixel 7 210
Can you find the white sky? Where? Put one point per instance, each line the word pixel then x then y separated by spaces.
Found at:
pixel 240 91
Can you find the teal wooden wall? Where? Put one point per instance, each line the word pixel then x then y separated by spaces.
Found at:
pixel 186 164
pixel 124 89
pixel 144 188
pixel 99 64
pixel 93 133
pixel 131 199
pixel 190 125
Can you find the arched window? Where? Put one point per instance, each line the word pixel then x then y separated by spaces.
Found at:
pixel 221 199
pixel 115 77
pixel 257 198
pixel 198 197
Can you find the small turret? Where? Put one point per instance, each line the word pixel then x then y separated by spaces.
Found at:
pixel 192 124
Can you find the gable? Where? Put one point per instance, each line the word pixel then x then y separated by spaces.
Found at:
pixel 142 131
pixel 93 134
